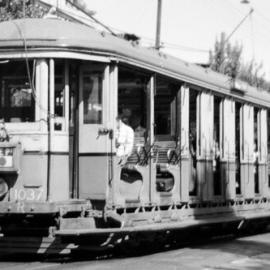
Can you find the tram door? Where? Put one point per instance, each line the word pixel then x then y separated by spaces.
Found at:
pixel 92 146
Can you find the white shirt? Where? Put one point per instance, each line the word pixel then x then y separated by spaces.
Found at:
pixel 124 140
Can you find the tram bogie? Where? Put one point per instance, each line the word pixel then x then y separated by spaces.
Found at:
pixel 99 137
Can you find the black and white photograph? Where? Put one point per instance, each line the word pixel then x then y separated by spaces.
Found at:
pixel 135 134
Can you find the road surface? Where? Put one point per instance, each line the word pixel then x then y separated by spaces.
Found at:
pixel 252 252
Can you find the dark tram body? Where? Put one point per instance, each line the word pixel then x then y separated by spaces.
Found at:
pixel 200 157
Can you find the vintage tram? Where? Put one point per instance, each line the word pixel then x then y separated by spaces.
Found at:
pixel 200 147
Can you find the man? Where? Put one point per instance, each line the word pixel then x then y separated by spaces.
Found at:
pixel 136 124
pixel 124 138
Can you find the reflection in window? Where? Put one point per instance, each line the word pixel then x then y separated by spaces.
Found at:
pixel 17 102
pixel 92 97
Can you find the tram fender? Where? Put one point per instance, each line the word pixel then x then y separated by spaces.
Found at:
pixel 77 223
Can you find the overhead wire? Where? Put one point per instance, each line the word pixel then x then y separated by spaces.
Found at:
pixel 30 76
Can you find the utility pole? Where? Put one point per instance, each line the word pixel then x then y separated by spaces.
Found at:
pixel 159 7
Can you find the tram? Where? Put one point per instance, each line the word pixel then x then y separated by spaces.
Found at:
pixel 199 152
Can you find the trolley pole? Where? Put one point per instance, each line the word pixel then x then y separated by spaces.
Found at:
pixel 159 7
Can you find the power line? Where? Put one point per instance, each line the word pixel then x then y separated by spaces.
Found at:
pixel 238 25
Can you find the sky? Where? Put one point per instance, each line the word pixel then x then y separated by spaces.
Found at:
pixel 189 28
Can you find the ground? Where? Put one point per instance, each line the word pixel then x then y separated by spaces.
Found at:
pixel 249 253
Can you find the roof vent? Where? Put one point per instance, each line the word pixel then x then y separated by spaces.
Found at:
pixel 238 87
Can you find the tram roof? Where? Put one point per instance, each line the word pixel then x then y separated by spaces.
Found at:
pixel 41 34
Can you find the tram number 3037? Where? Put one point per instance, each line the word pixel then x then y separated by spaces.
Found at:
pixel 28 194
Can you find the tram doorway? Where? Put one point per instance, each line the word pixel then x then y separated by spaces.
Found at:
pixel 89 147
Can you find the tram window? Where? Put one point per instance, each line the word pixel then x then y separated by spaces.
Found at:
pixel 256 151
pixel 132 89
pixel 193 140
pixel 237 147
pixel 17 96
pixel 166 107
pixel 268 145
pixel 92 82
pixel 216 150
pixel 59 88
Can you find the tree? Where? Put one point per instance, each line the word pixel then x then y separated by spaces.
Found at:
pixel 226 59
pixel 251 73
pixel 16 9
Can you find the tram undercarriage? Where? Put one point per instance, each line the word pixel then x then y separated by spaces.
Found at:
pixel 70 227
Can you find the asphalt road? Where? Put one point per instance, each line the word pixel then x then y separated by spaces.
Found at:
pixel 247 253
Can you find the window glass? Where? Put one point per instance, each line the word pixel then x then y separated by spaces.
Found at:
pixel 17 96
pixel 92 82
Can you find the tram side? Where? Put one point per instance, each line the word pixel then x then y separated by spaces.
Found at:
pixel 199 152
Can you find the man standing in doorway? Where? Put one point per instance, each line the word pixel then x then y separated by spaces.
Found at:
pixel 124 139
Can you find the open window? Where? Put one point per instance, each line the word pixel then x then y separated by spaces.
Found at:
pixel 167 124
pixel 132 94
pixel 268 145
pixel 238 141
pixel 194 126
pixel 216 147
pixel 256 151
pixel 166 106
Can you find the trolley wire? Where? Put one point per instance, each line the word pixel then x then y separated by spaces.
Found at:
pixel 29 76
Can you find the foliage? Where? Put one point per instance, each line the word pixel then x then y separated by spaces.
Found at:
pixel 14 9
pixel 226 59
pixel 251 73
